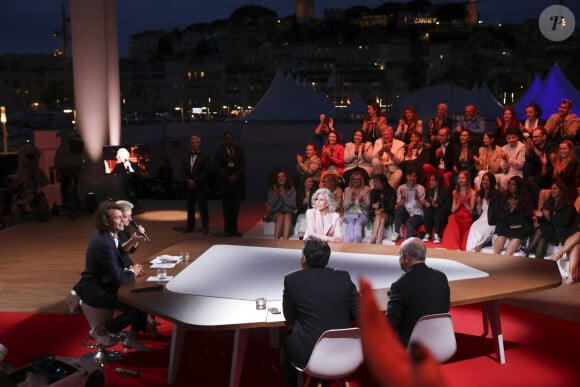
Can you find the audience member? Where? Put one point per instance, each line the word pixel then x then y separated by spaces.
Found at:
pixel 457 230
pixel 357 202
pixel 562 168
pixel 514 156
pixel 441 120
pixel 443 155
pixel 358 156
pixel 390 152
pixel 417 153
pixel 436 208
pixel 333 156
pixel 303 203
pixel 409 206
pixel 195 171
pixel 104 274
pixel 556 219
pixel 537 148
pixel 490 158
pixel 516 224
pixel 331 182
pixel 486 202
pixel 309 164
pixel 533 112
pixel 564 124
pixel 473 121
pixel 507 122
pixel 420 291
pixel 230 169
pixel 322 221
pixel 408 124
pixel 282 204
pixel 571 251
pixel 383 198
pixel 315 299
pixel 373 123
pixel 465 157
pixel 325 126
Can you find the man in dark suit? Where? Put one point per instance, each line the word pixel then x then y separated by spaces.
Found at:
pixel 103 275
pixel 230 168
pixel 419 292
pixel 442 157
pixel 195 170
pixel 315 300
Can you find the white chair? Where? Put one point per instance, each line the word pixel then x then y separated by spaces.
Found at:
pixel 337 354
pixel 96 317
pixel 435 331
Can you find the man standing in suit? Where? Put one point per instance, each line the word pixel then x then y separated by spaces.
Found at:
pixel 230 167
pixel 419 292
pixel 315 300
pixel 195 170
pixel 103 275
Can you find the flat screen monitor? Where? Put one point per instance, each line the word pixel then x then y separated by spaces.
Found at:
pixel 126 159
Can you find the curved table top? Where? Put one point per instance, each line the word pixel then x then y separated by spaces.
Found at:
pixel 508 276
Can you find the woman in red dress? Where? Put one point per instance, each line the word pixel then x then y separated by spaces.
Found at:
pixel 457 230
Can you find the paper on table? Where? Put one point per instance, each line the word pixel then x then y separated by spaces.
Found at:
pixel 154 278
pixel 166 259
pixel 163 265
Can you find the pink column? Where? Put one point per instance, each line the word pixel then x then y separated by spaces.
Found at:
pixel 95 57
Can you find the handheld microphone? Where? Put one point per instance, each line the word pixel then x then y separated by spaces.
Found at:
pixel 134 224
pixel 124 371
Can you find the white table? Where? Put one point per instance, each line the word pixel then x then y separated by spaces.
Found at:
pixel 205 295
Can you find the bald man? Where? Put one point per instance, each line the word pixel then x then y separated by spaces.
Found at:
pixel 419 292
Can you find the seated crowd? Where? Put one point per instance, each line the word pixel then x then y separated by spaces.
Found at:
pixel 462 186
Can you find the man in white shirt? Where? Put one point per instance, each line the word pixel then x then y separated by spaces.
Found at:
pixel 409 206
pixel 389 152
pixel 514 158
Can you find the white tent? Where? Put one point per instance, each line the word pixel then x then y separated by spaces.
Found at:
pixel 290 100
pixel 425 100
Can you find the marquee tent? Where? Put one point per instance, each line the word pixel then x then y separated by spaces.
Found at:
pixel 290 100
pixel 554 88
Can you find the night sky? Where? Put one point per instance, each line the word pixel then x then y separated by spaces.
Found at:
pixel 27 26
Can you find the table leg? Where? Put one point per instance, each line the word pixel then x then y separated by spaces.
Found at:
pixel 274 337
pixel 239 350
pixel 175 351
pixel 491 312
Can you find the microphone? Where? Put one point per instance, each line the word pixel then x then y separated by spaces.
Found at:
pixel 134 224
pixel 124 371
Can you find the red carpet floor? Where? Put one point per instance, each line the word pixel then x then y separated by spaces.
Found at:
pixel 540 351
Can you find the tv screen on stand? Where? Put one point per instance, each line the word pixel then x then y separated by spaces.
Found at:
pixel 126 159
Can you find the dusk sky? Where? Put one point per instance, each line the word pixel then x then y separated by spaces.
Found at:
pixel 27 26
